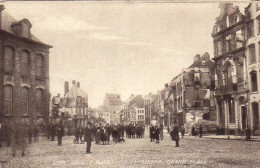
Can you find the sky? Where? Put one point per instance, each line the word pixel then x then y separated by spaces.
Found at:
pixel 119 47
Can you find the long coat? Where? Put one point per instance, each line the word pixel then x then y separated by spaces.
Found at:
pixel 175 133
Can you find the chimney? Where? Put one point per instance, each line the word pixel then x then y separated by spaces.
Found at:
pixel 73 82
pixel 1 9
pixel 66 87
pixel 78 84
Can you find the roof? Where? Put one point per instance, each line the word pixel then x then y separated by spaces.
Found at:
pixel 113 98
pixel 137 101
pixel 8 20
pixel 76 91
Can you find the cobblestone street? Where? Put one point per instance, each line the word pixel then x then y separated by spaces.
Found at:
pixel 193 152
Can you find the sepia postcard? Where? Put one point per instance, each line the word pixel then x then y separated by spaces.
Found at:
pixel 129 83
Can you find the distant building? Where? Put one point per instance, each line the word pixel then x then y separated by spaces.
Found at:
pixel 104 114
pixel 75 102
pixel 113 103
pixel 24 72
pixel 136 110
pixel 150 110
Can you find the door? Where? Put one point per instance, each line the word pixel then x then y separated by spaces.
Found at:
pixel 244 117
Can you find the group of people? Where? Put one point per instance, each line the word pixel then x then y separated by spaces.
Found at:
pixel 156 133
pixel 196 132
pixel 135 131
pixel 18 134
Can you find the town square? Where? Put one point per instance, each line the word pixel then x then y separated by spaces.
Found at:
pixel 129 84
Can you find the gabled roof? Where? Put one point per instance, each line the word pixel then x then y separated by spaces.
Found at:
pixel 114 98
pixel 8 21
pixel 137 101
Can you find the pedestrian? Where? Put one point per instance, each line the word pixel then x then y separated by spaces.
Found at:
pixel 29 134
pixel 152 133
pixel 88 137
pixel 161 132
pixel 200 131
pixel 193 131
pixel 60 133
pixel 35 133
pixel 175 134
pixel 76 134
pixel 157 134
pixel 18 136
pixel 115 134
pixel 182 131
pixel 81 134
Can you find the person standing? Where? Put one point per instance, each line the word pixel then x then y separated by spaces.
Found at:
pixel 81 133
pixel 175 134
pixel 87 137
pixel 60 133
pixel 200 131
pixel 157 134
pixel 29 133
pixel 152 133
pixel 35 133
pixel 76 133
pixel 182 131
pixel 161 132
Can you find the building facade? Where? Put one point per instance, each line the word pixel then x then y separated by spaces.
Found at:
pixel 150 110
pixel 189 96
pixel 75 103
pixel 24 72
pixel 113 103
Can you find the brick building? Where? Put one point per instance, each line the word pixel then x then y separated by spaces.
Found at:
pixel 24 72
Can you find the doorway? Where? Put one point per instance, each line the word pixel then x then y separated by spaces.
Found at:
pixel 244 116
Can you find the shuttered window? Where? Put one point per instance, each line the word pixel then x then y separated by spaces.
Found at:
pixel 24 100
pixel 8 100
pixel 39 101
pixel 25 63
pixel 8 59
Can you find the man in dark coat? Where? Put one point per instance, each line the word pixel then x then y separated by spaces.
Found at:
pixel 87 137
pixel 200 131
pixel 60 133
pixel 152 133
pixel 35 133
pixel 157 134
pixel 175 134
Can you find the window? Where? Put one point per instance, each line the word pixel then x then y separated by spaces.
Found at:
pixel 253 81
pixel 258 24
pixel 39 63
pixel 239 39
pixel 25 30
pixel 251 29
pixel 25 63
pixel 228 43
pixel 8 100
pixel 255 110
pixel 231 107
pixel 39 101
pixel 252 53
pixel 24 100
pixel 8 59
pixel 240 71
pixel 228 74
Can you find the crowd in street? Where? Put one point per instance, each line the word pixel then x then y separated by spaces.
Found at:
pixel 19 134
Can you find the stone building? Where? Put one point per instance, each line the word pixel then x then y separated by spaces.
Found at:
pixel 229 34
pixel 136 110
pixel 189 96
pixel 24 72
pixel 113 103
pixel 252 21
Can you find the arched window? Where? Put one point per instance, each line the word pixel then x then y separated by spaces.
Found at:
pixel 8 99
pixel 40 101
pixel 253 75
pixel 39 64
pixel 25 63
pixel 228 74
pixel 8 59
pixel 227 21
pixel 24 100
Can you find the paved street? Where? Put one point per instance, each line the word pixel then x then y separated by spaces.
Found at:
pixel 193 152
